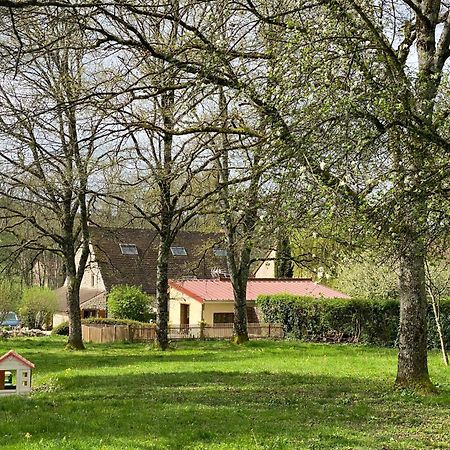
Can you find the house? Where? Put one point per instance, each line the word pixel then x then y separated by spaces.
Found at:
pixel 92 304
pixel 129 256
pixel 15 374
pixel 212 301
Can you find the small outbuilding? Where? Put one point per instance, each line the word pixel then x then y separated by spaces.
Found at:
pixel 212 301
pixel 15 374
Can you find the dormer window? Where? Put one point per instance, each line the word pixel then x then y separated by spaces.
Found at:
pixel 220 252
pixel 178 251
pixel 128 249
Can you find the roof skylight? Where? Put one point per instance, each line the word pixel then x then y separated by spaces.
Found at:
pixel 178 251
pixel 128 249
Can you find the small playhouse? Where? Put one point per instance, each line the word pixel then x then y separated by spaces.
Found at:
pixel 15 374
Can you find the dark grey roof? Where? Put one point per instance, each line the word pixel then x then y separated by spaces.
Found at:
pixel 117 268
pixel 89 299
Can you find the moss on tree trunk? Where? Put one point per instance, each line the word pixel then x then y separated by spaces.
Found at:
pixel 412 370
pixel 75 341
pixel 162 296
pixel 240 332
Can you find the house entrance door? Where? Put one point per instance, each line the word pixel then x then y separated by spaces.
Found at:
pixel 184 316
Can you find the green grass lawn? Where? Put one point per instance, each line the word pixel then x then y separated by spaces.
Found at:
pixel 264 395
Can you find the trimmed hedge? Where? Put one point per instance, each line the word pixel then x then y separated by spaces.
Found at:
pixel 372 321
pixel 63 328
pixel 113 321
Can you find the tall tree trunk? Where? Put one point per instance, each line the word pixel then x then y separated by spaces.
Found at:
pixel 412 357
pixel 167 206
pixel 162 294
pixel 240 332
pixel 73 281
pixel 73 302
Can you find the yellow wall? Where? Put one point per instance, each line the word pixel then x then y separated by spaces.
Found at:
pixel 267 268
pixel 195 308
pixel 216 307
pixel 219 307
pixel 60 317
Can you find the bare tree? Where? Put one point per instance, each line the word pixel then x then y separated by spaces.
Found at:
pixel 239 208
pixel 167 127
pixel 49 134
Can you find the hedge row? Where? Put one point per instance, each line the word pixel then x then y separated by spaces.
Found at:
pixel 338 320
pixel 63 328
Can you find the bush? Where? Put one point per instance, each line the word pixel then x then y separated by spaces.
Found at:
pixel 63 328
pixel 37 307
pixel 129 302
pixel 372 321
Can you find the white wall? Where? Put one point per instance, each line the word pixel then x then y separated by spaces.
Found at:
pixel 23 376
pixel 59 318
pixel 92 277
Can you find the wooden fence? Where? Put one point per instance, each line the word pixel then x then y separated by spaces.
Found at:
pixel 102 333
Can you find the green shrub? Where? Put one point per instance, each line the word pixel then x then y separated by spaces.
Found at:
pixel 129 302
pixel 372 321
pixel 114 321
pixel 63 328
pixel 37 307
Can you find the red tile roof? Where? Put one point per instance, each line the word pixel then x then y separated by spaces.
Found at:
pixel 221 289
pixel 18 357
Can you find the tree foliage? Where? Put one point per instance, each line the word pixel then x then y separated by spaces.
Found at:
pixel 37 307
pixel 10 295
pixel 367 278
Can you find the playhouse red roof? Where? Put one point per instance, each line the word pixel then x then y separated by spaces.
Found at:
pixel 18 357
pixel 222 290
